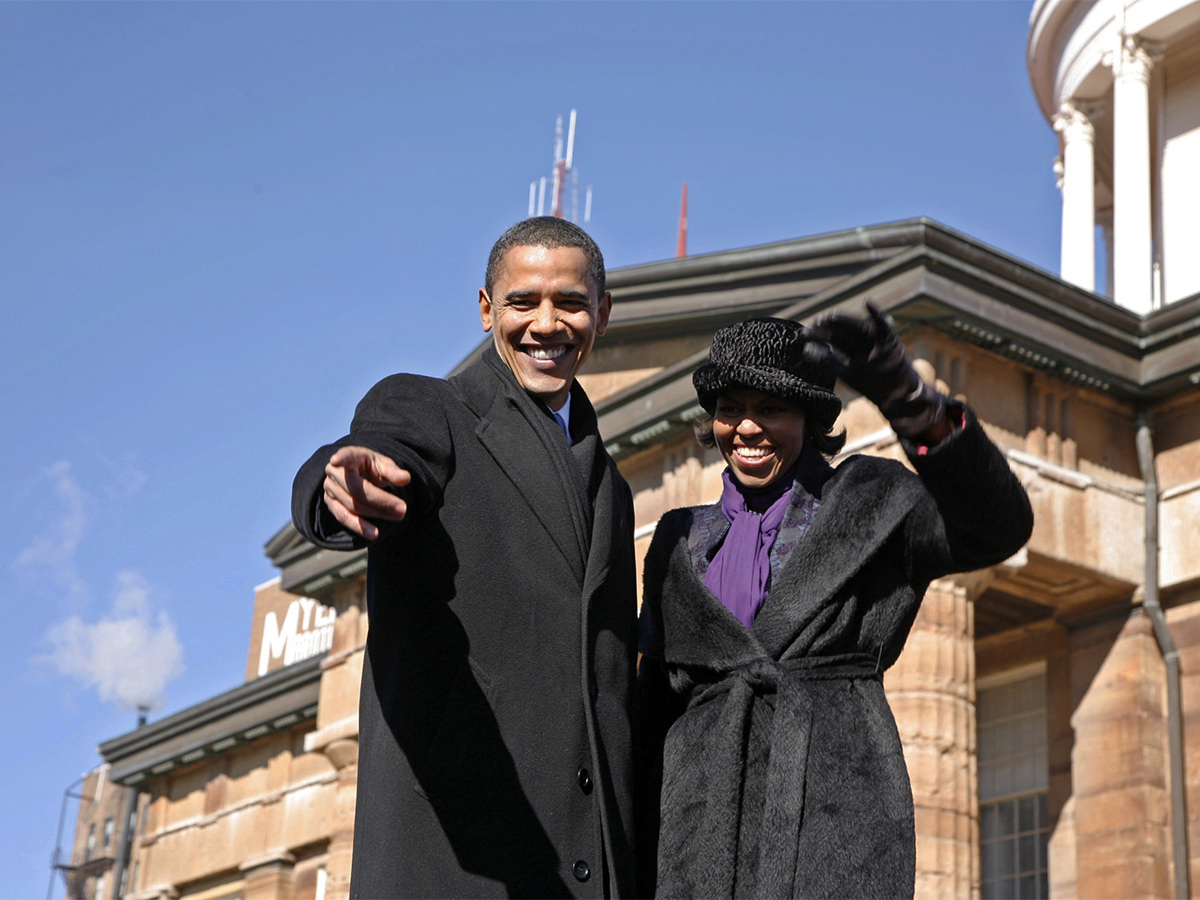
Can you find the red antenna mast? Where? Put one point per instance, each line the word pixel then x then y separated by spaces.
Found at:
pixel 562 164
pixel 681 247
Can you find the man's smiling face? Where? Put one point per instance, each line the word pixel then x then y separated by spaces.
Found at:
pixel 544 313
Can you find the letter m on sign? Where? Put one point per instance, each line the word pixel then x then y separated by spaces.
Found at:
pixel 275 638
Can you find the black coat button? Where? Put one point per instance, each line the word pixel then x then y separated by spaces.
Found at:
pixel 585 781
pixel 581 870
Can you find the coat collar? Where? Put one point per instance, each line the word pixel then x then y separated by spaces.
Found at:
pixel 863 502
pixel 527 445
pixel 709 525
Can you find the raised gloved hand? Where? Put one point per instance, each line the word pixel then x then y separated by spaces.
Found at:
pixel 873 362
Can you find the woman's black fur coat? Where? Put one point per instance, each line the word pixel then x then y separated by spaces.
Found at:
pixel 771 752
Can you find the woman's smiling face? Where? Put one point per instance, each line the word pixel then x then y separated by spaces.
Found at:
pixel 760 435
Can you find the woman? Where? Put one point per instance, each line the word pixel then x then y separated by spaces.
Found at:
pixel 769 617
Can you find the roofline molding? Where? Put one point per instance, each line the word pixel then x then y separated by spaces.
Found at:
pixel 274 701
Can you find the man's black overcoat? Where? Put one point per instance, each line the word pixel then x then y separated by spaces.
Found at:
pixel 495 755
pixel 772 749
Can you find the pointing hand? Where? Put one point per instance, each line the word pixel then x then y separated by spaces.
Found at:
pixel 356 489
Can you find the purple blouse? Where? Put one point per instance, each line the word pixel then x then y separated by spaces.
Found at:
pixel 740 572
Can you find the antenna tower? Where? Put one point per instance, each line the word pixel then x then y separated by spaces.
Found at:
pixel 563 172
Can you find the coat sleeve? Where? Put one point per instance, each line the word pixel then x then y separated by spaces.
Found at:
pixel 656 705
pixel 404 418
pixel 979 514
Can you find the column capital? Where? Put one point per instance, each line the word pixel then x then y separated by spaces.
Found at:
pixel 1133 58
pixel 1074 119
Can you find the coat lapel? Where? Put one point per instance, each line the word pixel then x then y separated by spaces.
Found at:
pixel 861 507
pixel 606 520
pixel 863 502
pixel 529 449
pixel 709 526
pixel 703 632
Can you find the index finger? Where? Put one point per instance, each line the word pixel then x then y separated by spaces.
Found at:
pixel 384 468
pixel 369 464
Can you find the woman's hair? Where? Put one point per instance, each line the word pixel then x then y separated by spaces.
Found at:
pixel 819 434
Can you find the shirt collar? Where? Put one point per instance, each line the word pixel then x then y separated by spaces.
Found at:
pixel 565 412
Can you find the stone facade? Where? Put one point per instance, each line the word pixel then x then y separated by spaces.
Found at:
pixel 97 866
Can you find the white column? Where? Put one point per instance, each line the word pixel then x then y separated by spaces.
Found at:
pixel 1078 264
pixel 1132 229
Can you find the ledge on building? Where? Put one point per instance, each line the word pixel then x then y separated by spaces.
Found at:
pixel 276 701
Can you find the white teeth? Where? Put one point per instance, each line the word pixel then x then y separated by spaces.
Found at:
pixel 753 452
pixel 546 352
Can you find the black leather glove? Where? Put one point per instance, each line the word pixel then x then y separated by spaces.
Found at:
pixel 873 362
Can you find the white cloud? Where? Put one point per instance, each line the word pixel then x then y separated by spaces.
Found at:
pixel 54 549
pixel 127 479
pixel 128 655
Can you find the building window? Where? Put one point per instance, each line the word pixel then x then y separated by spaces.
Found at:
pixel 321 883
pixel 99 893
pixel 91 842
pixel 108 833
pixel 1014 823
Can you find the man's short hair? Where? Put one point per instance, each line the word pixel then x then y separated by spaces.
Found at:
pixel 549 232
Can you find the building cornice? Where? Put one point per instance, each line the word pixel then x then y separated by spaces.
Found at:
pixel 276 701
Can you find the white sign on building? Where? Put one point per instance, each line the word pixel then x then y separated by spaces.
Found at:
pixel 307 630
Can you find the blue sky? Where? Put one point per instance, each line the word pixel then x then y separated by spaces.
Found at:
pixel 220 223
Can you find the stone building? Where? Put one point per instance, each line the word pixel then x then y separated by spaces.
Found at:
pixel 1049 706
pixel 98 865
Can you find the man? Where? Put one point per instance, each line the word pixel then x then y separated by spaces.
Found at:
pixel 494 716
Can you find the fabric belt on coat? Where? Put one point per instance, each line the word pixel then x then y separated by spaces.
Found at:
pixel 783 804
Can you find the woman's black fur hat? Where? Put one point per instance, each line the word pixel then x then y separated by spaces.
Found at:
pixel 777 356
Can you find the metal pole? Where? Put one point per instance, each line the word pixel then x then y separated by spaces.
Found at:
pixel 1166 645
pixel 55 866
